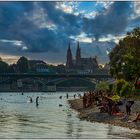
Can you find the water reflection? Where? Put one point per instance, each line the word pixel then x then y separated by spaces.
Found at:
pixel 20 119
pixel 79 130
pixel 69 123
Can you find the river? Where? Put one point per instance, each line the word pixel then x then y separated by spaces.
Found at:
pixel 21 119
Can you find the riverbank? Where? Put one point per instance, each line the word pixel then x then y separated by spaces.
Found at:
pixel 93 114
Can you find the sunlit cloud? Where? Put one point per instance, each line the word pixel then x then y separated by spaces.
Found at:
pixel 105 4
pixel 67 7
pixel 111 38
pixel 10 59
pixel 137 8
pixel 82 38
pixel 40 18
pixel 91 14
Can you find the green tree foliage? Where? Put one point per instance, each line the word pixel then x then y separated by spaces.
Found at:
pixel 126 90
pixel 118 86
pixel 23 65
pixel 102 86
pixel 125 57
pixel 123 88
pixel 3 67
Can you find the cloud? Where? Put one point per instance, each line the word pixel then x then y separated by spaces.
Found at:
pixel 113 20
pixel 43 27
pixel 46 27
pixel 137 8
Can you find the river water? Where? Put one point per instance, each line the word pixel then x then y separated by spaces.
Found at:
pixel 21 119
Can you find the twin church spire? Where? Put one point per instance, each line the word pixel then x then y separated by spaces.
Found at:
pixel 69 63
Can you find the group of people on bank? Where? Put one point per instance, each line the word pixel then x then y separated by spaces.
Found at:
pixel 105 103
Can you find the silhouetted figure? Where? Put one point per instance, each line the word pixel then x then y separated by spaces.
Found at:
pixel 69 115
pixel 60 97
pixel 60 105
pixel 96 100
pixel 22 93
pixel 31 100
pixel 37 100
pixel 89 100
pixel 79 95
pixel 74 95
pixel 128 107
pixel 84 101
pixel 67 95
pixel 110 106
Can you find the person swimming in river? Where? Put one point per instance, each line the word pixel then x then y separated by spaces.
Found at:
pixel 37 100
pixel 31 100
pixel 60 97
pixel 67 95
pixel 79 95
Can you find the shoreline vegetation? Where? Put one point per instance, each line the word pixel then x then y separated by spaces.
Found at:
pixel 93 114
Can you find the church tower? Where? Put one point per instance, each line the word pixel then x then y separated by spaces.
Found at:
pixel 69 57
pixel 78 53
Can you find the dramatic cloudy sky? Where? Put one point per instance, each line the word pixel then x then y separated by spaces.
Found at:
pixel 42 30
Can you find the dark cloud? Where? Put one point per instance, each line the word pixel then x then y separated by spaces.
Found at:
pixel 19 21
pixel 66 22
pixel 113 21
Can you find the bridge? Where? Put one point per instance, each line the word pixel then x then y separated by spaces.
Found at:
pixel 43 81
pixel 44 75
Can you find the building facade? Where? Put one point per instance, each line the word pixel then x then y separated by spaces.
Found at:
pixel 81 65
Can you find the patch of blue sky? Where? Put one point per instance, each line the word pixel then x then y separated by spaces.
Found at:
pixel 90 6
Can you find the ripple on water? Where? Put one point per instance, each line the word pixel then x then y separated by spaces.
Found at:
pixel 19 119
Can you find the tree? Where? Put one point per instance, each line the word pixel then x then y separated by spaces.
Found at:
pixel 124 58
pixel 118 86
pixel 23 65
pixel 3 67
pixel 102 86
pixel 126 90
pixel 12 68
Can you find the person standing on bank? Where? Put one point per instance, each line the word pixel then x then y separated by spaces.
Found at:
pixel 128 107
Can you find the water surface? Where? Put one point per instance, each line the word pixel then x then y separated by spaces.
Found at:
pixel 21 119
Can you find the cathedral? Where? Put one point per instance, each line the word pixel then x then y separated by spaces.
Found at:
pixel 79 63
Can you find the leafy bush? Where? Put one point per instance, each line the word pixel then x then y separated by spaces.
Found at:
pixel 126 90
pixel 102 86
pixel 118 86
